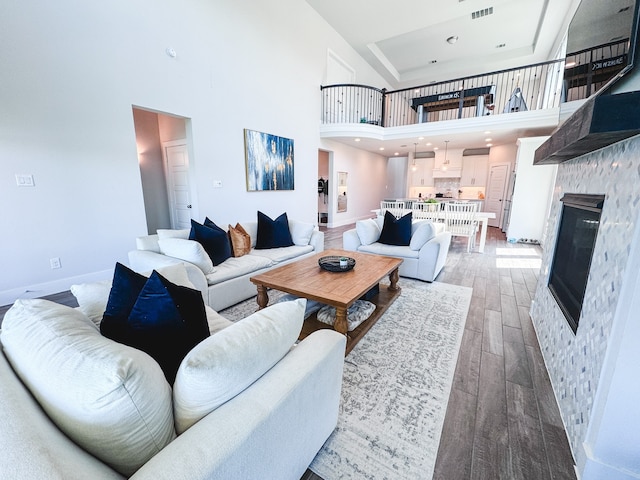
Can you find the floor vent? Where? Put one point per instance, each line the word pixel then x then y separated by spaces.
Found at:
pixel 482 13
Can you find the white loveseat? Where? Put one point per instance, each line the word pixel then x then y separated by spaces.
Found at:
pixel 76 405
pixel 229 283
pixel 423 258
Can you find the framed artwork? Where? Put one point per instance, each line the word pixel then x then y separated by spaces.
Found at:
pixel 269 161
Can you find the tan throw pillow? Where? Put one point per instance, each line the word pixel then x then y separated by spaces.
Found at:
pixel 240 240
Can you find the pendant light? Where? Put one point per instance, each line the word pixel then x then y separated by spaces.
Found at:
pixel 445 162
pixel 413 165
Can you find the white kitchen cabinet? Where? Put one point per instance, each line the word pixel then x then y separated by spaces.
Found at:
pixel 447 164
pixel 422 176
pixel 474 171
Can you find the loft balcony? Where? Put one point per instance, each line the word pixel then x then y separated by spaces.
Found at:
pixel 525 100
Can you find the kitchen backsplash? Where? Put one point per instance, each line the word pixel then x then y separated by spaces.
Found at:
pixel 442 185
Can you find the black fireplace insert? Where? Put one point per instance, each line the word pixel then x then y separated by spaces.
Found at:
pixel 579 222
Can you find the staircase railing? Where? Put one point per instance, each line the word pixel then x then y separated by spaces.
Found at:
pixel 532 87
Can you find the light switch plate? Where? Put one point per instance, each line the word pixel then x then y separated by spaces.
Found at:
pixel 24 180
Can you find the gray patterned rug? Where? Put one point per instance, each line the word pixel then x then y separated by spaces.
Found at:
pixel 396 386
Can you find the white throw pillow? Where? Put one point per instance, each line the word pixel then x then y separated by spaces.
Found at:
pixel 93 297
pixel 423 233
pixel 368 231
pixel 301 232
pixel 111 399
pixel 223 365
pixel 189 251
pixel 164 233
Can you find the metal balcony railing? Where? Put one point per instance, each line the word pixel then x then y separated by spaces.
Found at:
pixel 532 87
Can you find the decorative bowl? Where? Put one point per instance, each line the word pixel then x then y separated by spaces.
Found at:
pixel 334 263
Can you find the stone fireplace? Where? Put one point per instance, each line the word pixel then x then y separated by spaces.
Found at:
pixel 582 365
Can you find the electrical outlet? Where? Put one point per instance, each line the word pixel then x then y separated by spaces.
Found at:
pixel 55 263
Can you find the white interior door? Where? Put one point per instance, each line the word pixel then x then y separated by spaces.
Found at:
pixel 496 192
pixel 177 163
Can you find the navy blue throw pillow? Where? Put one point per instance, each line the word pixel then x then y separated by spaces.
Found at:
pixel 166 321
pixel 273 233
pixel 396 231
pixel 125 288
pixel 213 239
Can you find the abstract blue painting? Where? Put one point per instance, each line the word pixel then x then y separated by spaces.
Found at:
pixel 269 160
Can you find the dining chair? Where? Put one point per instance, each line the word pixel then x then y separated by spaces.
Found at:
pixel 425 211
pixel 396 208
pixel 461 220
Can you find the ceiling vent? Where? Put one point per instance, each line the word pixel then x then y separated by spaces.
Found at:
pixel 482 13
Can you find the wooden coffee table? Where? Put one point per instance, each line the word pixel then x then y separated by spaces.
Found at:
pixel 305 278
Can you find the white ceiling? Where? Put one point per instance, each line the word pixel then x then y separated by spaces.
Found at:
pixel 402 39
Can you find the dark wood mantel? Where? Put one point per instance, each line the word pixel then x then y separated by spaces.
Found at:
pixel 603 120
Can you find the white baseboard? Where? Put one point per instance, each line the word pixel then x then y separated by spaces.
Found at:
pixel 7 297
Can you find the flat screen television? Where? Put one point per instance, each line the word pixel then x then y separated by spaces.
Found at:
pixel 599 46
pixel 612 111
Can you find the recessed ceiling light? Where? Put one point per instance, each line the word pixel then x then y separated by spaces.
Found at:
pixel 420 138
pixel 488 139
pixel 397 153
pixel 381 148
pixel 452 39
pixel 435 148
pixel 487 132
pixel 489 144
pixel 357 139
pixel 428 144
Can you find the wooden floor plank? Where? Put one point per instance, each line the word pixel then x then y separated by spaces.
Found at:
pixel 522 295
pixel 509 311
pixel 492 334
pixel 490 458
pixel 516 364
pixel 526 442
pixel 456 443
pixel 467 373
pixel 506 285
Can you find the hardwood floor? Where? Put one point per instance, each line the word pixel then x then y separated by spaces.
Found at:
pixel 502 419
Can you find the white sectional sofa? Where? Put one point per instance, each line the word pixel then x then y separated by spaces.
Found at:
pixel 423 258
pixel 229 283
pixel 247 402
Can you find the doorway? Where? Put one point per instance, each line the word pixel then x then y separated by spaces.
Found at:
pixel 497 192
pixel 165 171
pixel 323 188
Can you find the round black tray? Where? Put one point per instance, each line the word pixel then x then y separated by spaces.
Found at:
pixel 332 263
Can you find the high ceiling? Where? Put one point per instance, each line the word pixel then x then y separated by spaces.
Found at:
pixel 405 41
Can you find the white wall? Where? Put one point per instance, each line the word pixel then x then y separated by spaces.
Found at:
pixel 532 193
pixel 72 72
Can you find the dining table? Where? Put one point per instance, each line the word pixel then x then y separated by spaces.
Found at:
pixel 483 219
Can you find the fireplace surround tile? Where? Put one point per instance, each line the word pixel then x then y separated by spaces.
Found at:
pixel 575 361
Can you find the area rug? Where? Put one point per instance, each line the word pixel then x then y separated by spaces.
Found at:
pixel 396 386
